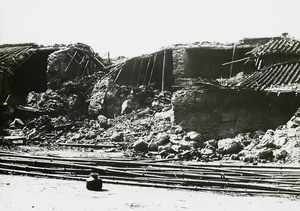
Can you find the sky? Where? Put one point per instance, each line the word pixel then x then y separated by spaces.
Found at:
pixel 134 27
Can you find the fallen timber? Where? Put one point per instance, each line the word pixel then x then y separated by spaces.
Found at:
pixel 260 179
pixel 178 175
pixel 146 184
pixel 95 146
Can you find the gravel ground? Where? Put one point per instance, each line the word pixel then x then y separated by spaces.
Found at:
pixel 28 193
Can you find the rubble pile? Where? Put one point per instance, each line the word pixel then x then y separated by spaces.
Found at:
pixel 71 96
pixel 282 144
pixel 111 99
pixel 108 93
pixel 140 122
pixel 87 105
pixel 69 117
pixel 151 132
pixel 49 101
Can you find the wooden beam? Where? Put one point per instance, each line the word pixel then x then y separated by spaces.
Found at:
pixel 163 73
pixel 118 74
pixel 70 61
pixel 74 58
pixel 92 57
pixel 86 64
pixel 147 70
pixel 140 70
pixel 232 59
pixel 80 65
pixel 236 61
pixel 134 64
pixel 154 62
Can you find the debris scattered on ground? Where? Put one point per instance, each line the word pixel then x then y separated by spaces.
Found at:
pixel 259 179
pixel 149 131
pixel 87 108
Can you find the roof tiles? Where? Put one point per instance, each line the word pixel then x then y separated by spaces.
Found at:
pixel 278 45
pixel 277 75
pixel 13 54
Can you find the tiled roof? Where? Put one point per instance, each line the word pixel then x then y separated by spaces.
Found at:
pixel 11 55
pixel 278 45
pixel 283 74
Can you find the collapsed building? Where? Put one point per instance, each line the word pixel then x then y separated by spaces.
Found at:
pixel 132 80
pixel 266 96
pixel 215 90
pixel 175 63
pixel 224 89
pixel 30 67
pixel 206 59
pixel 171 69
pixel 218 90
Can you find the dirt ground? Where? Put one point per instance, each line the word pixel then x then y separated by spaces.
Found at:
pixel 28 193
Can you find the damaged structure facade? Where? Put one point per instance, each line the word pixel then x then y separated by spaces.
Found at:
pixel 263 96
pixel 215 106
pixel 30 67
pixel 213 102
pixel 214 90
pixel 158 119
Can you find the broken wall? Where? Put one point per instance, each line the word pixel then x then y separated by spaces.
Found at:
pixel 178 62
pixel 72 61
pixel 32 67
pixel 225 113
pixel 206 59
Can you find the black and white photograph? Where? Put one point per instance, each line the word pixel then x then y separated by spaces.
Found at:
pixel 149 105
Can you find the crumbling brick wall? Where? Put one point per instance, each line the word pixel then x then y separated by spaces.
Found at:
pixel 225 113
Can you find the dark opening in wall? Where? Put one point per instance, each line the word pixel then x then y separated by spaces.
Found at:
pixel 30 75
pixel 148 69
pixel 207 62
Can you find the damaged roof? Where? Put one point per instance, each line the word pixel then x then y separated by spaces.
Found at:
pixel 277 45
pixel 283 76
pixel 280 74
pixel 13 54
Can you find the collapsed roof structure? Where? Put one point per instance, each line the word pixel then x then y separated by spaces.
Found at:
pixel 30 67
pixel 263 96
pixel 198 95
pixel 155 68
pixel 237 83
pixel 178 62
pixel 278 68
